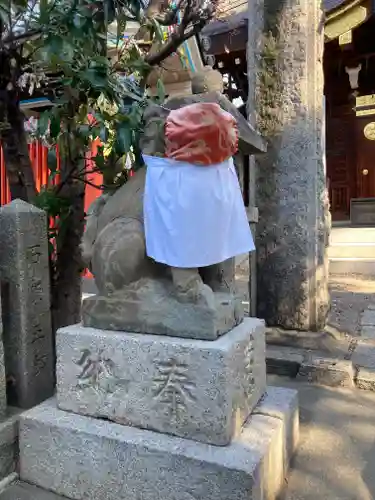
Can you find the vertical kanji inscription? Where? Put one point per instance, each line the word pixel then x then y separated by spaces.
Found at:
pixel 173 386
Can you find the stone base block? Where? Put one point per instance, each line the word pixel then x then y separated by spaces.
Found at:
pixel 327 371
pixel 81 457
pixel 24 491
pixel 9 443
pixel 196 389
pixel 164 316
pixel 282 404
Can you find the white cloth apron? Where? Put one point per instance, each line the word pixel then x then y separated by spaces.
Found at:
pixel 194 215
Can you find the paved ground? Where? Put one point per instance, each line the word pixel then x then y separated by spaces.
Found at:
pixel 336 455
pixel 350 295
pixel 346 347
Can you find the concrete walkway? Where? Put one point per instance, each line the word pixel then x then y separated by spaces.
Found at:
pixel 336 454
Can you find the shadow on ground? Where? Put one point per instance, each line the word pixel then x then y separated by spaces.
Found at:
pixel 336 454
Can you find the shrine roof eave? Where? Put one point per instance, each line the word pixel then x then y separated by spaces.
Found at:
pixel 339 14
pixel 332 5
pixel 345 16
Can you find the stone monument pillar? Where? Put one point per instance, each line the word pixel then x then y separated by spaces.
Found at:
pixel 8 421
pixel 292 264
pixel 28 341
pixel 26 355
pixel 159 393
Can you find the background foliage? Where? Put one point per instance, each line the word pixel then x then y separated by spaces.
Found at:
pixel 58 48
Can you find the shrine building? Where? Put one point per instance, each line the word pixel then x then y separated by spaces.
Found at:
pixel 349 71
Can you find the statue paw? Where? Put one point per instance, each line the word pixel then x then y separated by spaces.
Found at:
pixel 206 296
pixel 199 294
pixel 109 289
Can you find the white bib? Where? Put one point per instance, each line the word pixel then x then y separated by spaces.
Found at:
pixel 194 215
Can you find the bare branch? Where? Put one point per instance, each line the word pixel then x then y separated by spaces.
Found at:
pixel 82 179
pixel 194 16
pixel 191 24
pixel 172 45
pixel 171 16
pixel 21 38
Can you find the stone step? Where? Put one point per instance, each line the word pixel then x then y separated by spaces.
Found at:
pixel 360 266
pixel 86 458
pixel 352 235
pixel 352 250
pixel 24 491
pixel 8 442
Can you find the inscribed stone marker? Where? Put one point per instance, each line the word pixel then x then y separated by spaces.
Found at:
pixel 26 303
pixel 3 396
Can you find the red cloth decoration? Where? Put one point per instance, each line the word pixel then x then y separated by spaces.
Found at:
pixel 201 134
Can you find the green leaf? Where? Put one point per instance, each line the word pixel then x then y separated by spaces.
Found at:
pixel 55 45
pixel 43 123
pixel 67 52
pixel 121 27
pixel 19 4
pixel 85 130
pixel 52 160
pixel 103 133
pixel 124 138
pixel 55 126
pixel 44 12
pixel 134 6
pixel 159 34
pixel 78 20
pixel 99 61
pixel 96 78
pixel 99 161
pixel 161 91
pixel 51 247
pixel 4 12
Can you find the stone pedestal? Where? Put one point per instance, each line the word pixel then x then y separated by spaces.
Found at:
pixel 190 388
pixel 292 273
pixel 82 457
pixel 221 434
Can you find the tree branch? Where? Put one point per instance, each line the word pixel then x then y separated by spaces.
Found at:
pixel 194 16
pixel 77 178
pixel 21 38
pixel 173 43
pixel 171 16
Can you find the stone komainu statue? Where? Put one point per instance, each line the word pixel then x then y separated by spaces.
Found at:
pixel 135 293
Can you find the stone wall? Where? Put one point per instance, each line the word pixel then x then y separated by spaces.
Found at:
pixel 286 85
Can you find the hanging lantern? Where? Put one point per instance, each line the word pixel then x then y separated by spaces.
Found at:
pixel 206 43
pixel 209 59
